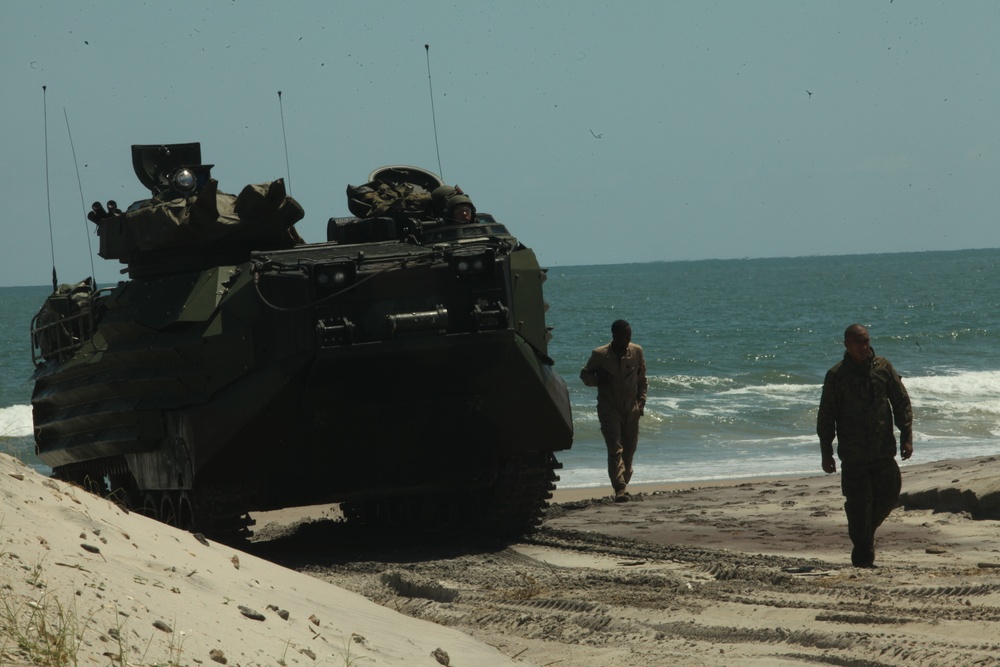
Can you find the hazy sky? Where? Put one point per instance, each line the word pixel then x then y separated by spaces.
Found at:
pixel 600 132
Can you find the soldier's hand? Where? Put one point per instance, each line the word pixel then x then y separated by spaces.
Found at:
pixel 829 465
pixel 905 450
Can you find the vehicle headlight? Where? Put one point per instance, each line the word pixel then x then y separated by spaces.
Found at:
pixel 184 181
pixel 334 277
pixel 480 265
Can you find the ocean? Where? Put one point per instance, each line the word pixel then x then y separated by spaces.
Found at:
pixel 736 351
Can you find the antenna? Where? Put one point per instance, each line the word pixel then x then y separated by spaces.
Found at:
pixel 79 183
pixel 48 198
pixel 288 170
pixel 427 47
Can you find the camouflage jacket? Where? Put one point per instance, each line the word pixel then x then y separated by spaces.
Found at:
pixel 858 407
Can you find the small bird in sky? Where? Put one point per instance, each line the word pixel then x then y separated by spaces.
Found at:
pixel 810 93
pixel 597 136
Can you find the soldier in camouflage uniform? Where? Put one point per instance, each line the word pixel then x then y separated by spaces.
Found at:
pixel 862 397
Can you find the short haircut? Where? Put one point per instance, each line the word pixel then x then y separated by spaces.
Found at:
pixel 619 325
pixel 852 328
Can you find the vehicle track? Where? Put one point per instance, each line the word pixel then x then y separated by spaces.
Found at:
pixel 569 597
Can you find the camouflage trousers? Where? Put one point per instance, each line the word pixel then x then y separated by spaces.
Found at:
pixel 621 435
pixel 871 491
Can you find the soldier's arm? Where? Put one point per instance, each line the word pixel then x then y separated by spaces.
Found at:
pixel 590 374
pixel 902 410
pixel 902 413
pixel 643 384
pixel 826 419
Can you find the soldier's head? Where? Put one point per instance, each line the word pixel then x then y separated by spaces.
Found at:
pixel 858 343
pixel 621 334
pixel 460 209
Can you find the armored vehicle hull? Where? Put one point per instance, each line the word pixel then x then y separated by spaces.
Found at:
pixel 400 368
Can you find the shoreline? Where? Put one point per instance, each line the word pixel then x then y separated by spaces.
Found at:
pixel 575 494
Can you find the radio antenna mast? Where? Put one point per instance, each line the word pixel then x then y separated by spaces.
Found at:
pixel 288 169
pixel 427 48
pixel 48 198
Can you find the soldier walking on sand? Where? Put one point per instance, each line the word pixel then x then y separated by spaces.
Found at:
pixel 862 397
pixel 618 370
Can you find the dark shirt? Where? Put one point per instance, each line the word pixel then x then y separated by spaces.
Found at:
pixel 859 405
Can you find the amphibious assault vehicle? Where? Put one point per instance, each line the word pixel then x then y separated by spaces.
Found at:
pixel 400 368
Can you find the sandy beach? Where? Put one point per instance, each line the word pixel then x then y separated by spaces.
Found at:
pixel 755 572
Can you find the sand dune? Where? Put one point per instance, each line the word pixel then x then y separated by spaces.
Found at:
pixel 85 583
